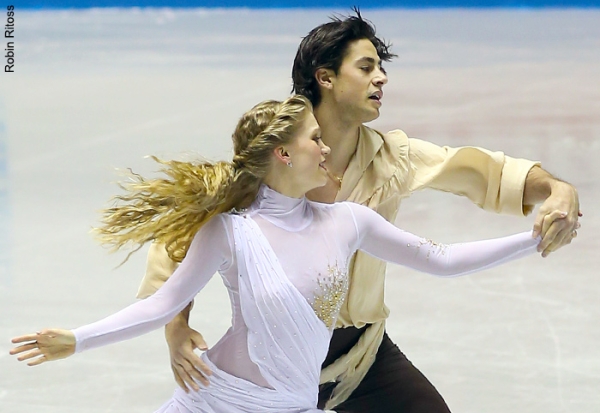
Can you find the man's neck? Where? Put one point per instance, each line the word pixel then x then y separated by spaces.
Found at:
pixel 340 134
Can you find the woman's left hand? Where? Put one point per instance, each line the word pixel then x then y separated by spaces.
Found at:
pixel 557 219
pixel 46 345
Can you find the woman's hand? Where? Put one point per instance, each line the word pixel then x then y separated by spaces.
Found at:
pixel 557 219
pixel 46 345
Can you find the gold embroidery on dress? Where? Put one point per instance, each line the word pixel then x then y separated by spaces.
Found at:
pixel 440 247
pixel 330 294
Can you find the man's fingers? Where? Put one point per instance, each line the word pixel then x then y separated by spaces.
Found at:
pixel 548 239
pixel 197 376
pixel 552 224
pixel 196 363
pixel 190 365
pixel 203 367
pixel 537 225
pixel 198 340
pixel 550 219
pixel 179 380
pixel 186 376
pixel 561 235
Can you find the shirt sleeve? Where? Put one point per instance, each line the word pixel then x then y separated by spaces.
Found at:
pixel 209 252
pixel 492 180
pixel 379 238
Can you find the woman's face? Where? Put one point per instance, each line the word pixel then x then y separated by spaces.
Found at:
pixel 307 153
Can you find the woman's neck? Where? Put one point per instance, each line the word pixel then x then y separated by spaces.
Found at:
pixel 280 182
pixel 289 213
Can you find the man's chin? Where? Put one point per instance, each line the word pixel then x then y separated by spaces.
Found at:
pixel 371 116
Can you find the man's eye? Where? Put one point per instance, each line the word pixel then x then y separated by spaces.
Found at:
pixel 383 70
pixel 366 69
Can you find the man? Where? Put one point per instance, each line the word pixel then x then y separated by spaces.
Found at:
pixel 338 67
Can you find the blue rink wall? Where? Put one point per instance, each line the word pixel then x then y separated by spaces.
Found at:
pixel 342 4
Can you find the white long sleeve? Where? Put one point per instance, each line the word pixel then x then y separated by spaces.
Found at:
pixel 207 254
pixel 379 238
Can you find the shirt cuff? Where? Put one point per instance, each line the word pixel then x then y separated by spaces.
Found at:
pixel 512 188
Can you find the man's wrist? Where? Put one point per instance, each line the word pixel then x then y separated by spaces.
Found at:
pixel 180 320
pixel 539 186
pixel 556 185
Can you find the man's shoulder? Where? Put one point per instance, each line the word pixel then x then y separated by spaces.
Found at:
pixel 395 142
pixel 394 134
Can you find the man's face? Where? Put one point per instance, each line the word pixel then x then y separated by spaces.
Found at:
pixel 358 85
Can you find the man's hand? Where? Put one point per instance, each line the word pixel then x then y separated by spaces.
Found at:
pixel 557 218
pixel 187 367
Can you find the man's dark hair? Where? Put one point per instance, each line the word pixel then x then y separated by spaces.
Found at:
pixel 325 48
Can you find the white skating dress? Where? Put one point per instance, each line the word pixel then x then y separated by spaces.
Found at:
pixel 284 262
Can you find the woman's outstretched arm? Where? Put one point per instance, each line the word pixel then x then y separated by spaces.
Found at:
pixel 379 238
pixel 208 253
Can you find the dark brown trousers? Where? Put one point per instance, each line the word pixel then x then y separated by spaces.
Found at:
pixel 392 384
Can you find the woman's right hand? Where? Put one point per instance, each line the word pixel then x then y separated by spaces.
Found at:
pixel 187 367
pixel 46 345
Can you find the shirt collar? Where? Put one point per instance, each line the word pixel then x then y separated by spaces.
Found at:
pixel 369 143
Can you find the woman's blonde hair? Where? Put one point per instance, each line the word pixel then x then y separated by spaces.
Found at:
pixel 172 209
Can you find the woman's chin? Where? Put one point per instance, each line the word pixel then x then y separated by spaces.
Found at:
pixel 320 184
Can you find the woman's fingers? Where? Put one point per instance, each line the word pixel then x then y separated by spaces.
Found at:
pixel 47 345
pixel 24 347
pixel 33 353
pixel 23 339
pixel 38 361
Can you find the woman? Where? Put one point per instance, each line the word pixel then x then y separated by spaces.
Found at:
pixel 283 259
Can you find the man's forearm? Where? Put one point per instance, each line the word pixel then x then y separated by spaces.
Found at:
pixel 539 185
pixel 181 319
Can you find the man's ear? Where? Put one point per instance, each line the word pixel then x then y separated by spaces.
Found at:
pixel 325 78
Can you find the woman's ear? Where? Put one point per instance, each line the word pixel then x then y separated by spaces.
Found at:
pixel 281 155
pixel 324 78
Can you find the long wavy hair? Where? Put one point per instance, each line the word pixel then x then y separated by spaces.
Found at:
pixel 171 209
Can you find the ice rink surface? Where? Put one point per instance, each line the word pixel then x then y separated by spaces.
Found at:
pixel 95 90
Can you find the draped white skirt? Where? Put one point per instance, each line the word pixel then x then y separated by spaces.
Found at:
pixel 230 394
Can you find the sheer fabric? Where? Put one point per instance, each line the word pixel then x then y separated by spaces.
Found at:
pixel 284 263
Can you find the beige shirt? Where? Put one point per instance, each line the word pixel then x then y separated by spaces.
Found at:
pixel 385 169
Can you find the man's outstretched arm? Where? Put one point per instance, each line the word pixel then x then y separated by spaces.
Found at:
pixel 501 184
